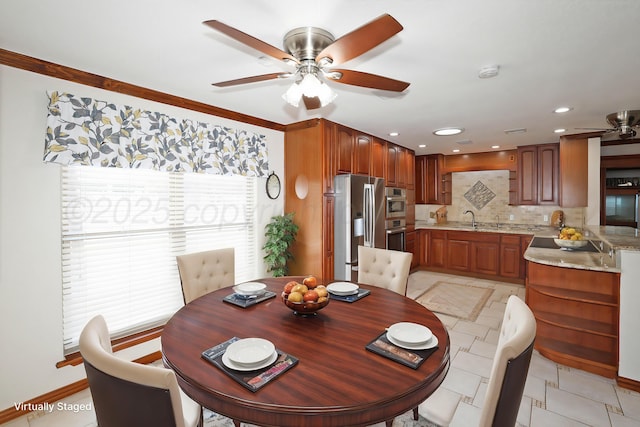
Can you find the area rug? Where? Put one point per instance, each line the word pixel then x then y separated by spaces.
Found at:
pixel 455 299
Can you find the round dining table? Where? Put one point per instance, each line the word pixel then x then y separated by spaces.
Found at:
pixel 336 382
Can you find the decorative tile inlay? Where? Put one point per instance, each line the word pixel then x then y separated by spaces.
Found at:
pixel 479 195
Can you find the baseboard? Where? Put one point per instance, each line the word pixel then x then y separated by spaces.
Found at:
pixel 628 383
pixel 60 393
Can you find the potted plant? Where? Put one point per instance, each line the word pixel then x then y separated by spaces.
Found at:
pixel 280 233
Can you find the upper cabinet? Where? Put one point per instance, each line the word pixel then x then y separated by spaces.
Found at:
pixel 428 179
pixel 538 175
pixel 378 157
pixel 343 149
pixel 362 145
pixel 574 170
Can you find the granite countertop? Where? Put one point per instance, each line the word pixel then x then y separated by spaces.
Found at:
pixel 613 238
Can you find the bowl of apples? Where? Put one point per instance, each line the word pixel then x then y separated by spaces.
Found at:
pixel 305 298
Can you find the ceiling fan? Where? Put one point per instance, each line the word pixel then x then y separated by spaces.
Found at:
pixel 312 51
pixel 622 125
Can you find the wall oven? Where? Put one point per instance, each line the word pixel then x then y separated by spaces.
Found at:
pixel 395 202
pixel 396 233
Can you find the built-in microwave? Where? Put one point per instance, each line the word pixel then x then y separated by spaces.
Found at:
pixel 396 202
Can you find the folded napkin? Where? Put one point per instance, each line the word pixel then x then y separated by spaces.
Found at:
pixel 411 358
pixel 252 380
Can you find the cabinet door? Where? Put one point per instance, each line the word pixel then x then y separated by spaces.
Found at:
pixel 433 179
pixel 528 175
pixel 378 155
pixel 548 174
pixel 420 179
pixel 411 247
pixel 410 164
pixel 436 251
pixel 343 149
pixel 401 170
pixel 328 139
pixel 510 256
pixel 458 255
pixel 362 154
pixel 423 247
pixel 392 156
pixel 484 257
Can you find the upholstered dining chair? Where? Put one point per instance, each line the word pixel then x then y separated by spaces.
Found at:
pixel 508 373
pixel 384 268
pixel 203 272
pixel 129 394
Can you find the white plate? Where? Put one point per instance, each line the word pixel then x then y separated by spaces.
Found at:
pixel 433 342
pixel 409 333
pixel 230 364
pixel 250 288
pixel 250 351
pixel 343 288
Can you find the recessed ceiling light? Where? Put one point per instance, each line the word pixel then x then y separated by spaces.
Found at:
pixel 562 110
pixel 422 145
pixel 560 130
pixel 495 146
pixel 488 71
pixel 447 131
pixel 456 150
pixel 394 133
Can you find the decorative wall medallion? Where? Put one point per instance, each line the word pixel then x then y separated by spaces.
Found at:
pixel 479 195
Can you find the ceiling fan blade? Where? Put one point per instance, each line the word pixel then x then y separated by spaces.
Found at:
pixel 251 41
pixel 252 79
pixel 373 81
pixel 311 103
pixel 600 129
pixel 361 39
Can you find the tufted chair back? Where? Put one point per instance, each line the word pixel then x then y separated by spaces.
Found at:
pixel 128 394
pixel 384 268
pixel 203 272
pixel 510 365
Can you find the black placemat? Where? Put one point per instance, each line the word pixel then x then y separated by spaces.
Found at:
pixel 252 380
pixel 351 298
pixel 411 358
pixel 245 302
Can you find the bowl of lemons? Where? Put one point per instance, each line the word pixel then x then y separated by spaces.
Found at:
pixel 570 238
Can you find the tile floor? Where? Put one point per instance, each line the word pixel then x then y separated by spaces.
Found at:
pixel 554 395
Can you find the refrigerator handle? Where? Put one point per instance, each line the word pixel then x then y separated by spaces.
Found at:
pixel 637 210
pixel 367 203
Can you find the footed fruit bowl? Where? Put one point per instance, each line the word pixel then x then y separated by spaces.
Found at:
pixel 570 244
pixel 306 298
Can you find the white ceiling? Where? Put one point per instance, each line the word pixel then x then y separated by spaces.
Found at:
pixel 580 53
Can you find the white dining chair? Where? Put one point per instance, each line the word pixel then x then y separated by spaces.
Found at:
pixel 384 268
pixel 129 394
pixel 508 373
pixel 203 272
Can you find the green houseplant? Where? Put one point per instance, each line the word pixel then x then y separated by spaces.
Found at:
pixel 280 233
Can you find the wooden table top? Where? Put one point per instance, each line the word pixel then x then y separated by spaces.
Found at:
pixel 336 382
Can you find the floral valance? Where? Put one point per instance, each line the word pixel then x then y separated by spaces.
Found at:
pixel 85 131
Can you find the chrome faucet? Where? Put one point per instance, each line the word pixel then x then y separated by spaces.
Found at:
pixel 473 218
pixel 497 221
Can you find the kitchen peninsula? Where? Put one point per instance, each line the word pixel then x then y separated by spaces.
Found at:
pixel 584 302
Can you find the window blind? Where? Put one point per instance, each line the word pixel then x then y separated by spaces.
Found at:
pixel 121 232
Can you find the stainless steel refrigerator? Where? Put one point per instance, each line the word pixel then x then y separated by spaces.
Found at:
pixel 359 220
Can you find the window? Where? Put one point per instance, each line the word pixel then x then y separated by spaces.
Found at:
pixel 121 232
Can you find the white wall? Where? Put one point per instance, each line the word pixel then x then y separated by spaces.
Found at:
pixel 30 272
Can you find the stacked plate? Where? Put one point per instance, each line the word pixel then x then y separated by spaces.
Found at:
pixel 412 336
pixel 343 288
pixel 250 289
pixel 249 354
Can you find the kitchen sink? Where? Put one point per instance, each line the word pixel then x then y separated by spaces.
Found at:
pixel 548 243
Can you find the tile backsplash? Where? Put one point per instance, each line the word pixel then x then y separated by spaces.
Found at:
pixel 486 193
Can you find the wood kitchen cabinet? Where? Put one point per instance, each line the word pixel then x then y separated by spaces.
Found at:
pixel 479 254
pixel 574 170
pixel 315 152
pixel 577 314
pixel 428 179
pixel 538 174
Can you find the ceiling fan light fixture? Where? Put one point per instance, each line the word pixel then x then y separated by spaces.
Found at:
pixel 293 94
pixel 311 87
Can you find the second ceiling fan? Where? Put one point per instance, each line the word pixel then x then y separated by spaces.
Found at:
pixel 313 51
